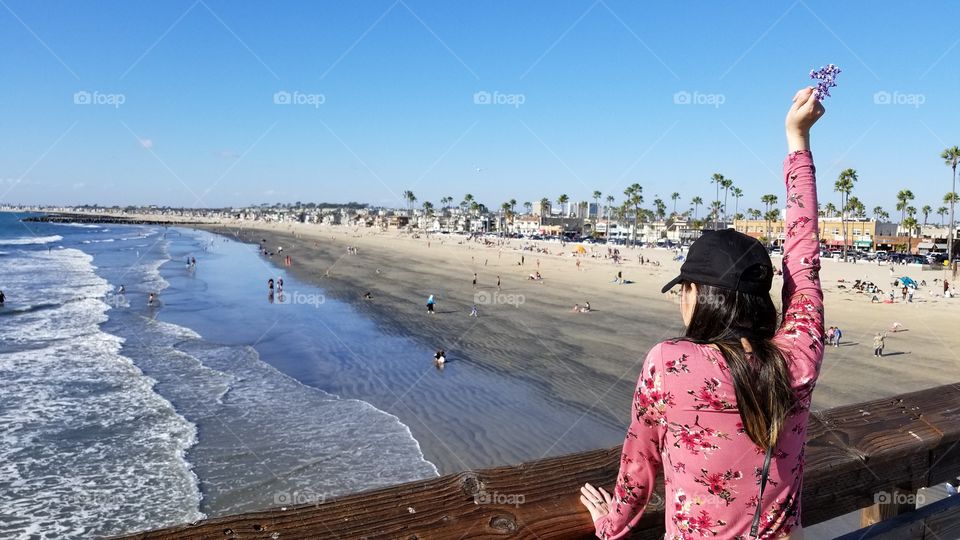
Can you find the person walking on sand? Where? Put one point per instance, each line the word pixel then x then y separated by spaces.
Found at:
pixel 474 312
pixel 498 282
pixel 837 334
pixel 878 344
pixel 474 280
pixel 430 304
pixel 723 409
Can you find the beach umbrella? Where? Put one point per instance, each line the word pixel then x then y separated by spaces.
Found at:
pixel 908 282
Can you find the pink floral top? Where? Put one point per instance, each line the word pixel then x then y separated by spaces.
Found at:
pixel 685 418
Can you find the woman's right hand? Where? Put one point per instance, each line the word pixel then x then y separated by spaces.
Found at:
pixel 803 114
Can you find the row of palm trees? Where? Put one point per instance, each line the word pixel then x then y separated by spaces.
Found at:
pixel 630 209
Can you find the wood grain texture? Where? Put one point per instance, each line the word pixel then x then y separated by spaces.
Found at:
pixel 853 452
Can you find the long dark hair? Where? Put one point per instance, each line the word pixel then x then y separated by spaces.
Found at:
pixel 761 379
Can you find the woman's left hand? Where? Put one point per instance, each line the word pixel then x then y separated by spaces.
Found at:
pixel 597 501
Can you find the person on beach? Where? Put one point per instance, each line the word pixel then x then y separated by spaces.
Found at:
pixel 430 304
pixel 474 280
pixel 270 285
pixel 830 333
pixel 498 282
pixel 723 409
pixel 878 344
pixel 837 334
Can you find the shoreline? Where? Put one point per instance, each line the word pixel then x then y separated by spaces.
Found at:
pixel 601 351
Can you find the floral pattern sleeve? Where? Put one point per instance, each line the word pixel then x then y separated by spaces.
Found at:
pixel 640 460
pixel 802 330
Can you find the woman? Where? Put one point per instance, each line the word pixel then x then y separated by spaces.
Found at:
pixel 723 410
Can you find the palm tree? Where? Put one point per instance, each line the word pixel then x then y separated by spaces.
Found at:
pixel 879 213
pixel 410 198
pixel 951 156
pixel 717 179
pixel 596 199
pixel 505 212
pixel 926 210
pixel 754 213
pixel 428 208
pixel 528 207
pixel 675 197
pixel 727 184
pixel 903 199
pixel 562 200
pixel 737 195
pixel 910 224
pixel 770 216
pixel 844 186
pixel 467 201
pixel 661 209
pixel 634 197
pixel 942 211
pixel 829 210
pixel 696 202
pixel 544 207
pixel 856 208
pixel 716 207
pixel 610 200
pixel 770 200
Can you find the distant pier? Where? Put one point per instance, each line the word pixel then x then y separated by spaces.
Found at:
pixel 65 217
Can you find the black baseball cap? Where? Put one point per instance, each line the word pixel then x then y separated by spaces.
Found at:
pixel 727 259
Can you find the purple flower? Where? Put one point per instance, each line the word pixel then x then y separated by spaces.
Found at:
pixel 828 79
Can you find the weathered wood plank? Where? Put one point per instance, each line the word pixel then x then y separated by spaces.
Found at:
pixel 939 520
pixel 853 452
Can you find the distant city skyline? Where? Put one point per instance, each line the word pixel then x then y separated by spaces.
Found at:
pixel 209 104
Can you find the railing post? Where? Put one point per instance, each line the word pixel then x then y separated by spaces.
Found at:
pixel 888 504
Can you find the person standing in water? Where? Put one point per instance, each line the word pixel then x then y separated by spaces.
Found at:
pixel 724 408
pixel 2 298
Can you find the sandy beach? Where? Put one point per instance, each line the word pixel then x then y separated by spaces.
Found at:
pixel 592 359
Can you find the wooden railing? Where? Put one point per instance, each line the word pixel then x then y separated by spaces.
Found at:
pixel 891 445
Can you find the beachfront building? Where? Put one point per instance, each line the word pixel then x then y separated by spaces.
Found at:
pixel 866 234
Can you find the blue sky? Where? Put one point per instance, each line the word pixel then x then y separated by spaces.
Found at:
pixel 185 110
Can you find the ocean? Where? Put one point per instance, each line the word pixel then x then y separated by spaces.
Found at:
pixel 119 416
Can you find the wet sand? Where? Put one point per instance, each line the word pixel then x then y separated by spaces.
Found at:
pixel 592 359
